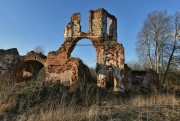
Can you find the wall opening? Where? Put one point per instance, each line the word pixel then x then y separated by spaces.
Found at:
pixel 109 78
pixel 84 22
pixel 32 69
pixel 85 50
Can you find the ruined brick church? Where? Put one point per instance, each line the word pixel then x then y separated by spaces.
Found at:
pixel 60 66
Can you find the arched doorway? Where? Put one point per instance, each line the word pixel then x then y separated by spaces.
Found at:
pixel 33 70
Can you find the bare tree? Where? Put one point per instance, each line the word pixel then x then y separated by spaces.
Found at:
pixel 152 38
pixel 137 65
pixel 143 47
pixel 39 49
pixel 174 46
pixel 158 42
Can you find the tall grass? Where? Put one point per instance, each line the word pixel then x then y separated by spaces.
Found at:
pixel 138 108
pixel 39 101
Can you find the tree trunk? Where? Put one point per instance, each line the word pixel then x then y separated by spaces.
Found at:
pixel 169 62
pixel 149 52
pixel 156 52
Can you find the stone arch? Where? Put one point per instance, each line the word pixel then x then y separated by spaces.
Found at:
pixel 35 56
pixel 28 65
pixel 33 64
pixel 99 45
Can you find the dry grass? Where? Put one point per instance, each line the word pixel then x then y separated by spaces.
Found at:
pixel 137 109
pixel 38 101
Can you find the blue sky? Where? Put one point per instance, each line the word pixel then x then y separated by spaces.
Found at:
pixel 25 24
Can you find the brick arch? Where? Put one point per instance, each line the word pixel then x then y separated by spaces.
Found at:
pixel 32 56
pixel 70 45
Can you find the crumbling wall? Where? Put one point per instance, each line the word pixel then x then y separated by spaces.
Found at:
pixel 138 77
pixel 71 72
pixel 103 36
pixel 112 27
pixel 110 54
pixel 151 78
pixel 73 29
pixel 127 81
pixel 60 66
pixel 145 77
pixel 7 59
pixel 102 25
pixel 114 60
pixel 98 23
